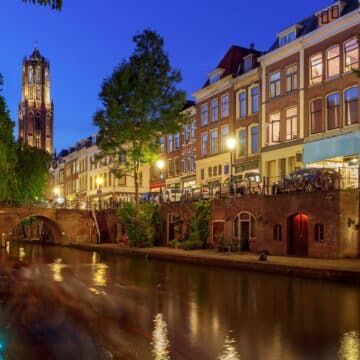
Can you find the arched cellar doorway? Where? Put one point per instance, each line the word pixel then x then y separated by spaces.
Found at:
pixel 298 235
pixel 244 229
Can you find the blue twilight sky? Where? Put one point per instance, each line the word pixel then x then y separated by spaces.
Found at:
pixel 88 38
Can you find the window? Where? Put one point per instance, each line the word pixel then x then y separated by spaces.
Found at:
pixel 177 166
pixel 214 110
pixel 316 69
pixel 351 105
pixel 177 141
pixel 193 129
pixel 224 136
pixel 242 104
pixel 291 123
pixel 31 93
pixel 333 111
pixel 37 93
pixel 248 63
pixel 204 115
pixel 255 99
pixel 193 163
pixel 170 143
pixel 351 54
pixel 291 78
pixel 333 61
pixel 319 232
pixel 275 84
pixel 210 171
pixel 186 164
pixel 220 169
pixel 202 174
pixel 254 133
pixel 31 75
pixel 186 134
pixel 214 78
pixel 274 129
pixel 242 142
pixel 277 232
pixel 287 38
pixel 215 168
pixel 225 106
pixel 316 116
pixel 214 142
pixel 204 144
pixel 171 167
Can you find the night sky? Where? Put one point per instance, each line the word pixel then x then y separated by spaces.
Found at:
pixel 84 42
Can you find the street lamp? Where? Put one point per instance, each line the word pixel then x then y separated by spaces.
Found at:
pixel 99 181
pixel 160 165
pixel 56 194
pixel 231 144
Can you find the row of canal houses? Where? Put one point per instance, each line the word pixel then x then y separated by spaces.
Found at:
pixel 295 105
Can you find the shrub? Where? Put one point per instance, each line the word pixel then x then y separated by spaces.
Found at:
pixel 140 225
pixel 174 244
pixel 192 244
pixel 200 221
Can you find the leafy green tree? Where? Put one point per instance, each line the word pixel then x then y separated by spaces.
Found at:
pixel 7 151
pixel 140 103
pixel 55 4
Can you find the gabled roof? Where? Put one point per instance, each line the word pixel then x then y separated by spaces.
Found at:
pixel 232 59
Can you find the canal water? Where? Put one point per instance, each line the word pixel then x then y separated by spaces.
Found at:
pixel 72 304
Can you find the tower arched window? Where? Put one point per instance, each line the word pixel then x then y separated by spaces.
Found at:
pixel 37 122
pixel 38 93
pixel 31 75
pixel 38 75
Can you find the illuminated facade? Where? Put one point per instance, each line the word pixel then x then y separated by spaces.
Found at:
pixel 36 109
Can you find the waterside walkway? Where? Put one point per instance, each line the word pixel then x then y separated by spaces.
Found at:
pixel 344 270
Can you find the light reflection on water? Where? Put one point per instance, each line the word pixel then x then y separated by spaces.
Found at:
pixel 22 253
pixel 229 352
pixel 160 342
pixel 350 346
pixel 100 274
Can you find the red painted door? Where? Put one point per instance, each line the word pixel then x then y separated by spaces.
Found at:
pixel 298 235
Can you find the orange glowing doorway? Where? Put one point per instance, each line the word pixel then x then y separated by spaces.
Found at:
pixel 298 235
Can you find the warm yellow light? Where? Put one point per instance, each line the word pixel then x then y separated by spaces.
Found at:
pixel 160 164
pixel 56 191
pixel 230 143
pixel 99 181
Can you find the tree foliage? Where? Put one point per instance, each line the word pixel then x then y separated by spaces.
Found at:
pixel 140 103
pixel 55 4
pixel 23 169
pixel 200 221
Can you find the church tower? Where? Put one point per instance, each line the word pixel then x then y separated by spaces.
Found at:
pixel 36 109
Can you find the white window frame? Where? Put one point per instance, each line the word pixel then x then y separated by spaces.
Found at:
pixel 225 109
pixel 293 120
pixel 331 59
pixel 204 121
pixel 271 83
pixel 214 104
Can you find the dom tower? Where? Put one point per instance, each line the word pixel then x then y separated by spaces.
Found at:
pixel 36 108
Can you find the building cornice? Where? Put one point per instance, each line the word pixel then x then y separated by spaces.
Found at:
pixel 213 89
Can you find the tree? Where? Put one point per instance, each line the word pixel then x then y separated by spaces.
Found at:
pixel 140 103
pixel 55 4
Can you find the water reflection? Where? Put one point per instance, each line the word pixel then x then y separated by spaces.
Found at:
pixel 160 342
pixel 350 346
pixel 100 274
pixel 229 352
pixel 22 253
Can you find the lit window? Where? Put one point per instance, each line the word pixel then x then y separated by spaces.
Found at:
pixel 214 78
pixel 316 116
pixel 351 53
pixel 224 136
pixel 162 144
pixel 333 61
pixel 204 115
pixel 214 142
pixel 333 111
pixel 225 106
pixel 319 232
pixel 193 129
pixel 351 105
pixel 316 69
pixel 242 143
pixel 275 84
pixel 291 78
pixel 204 144
pixel 291 36
pixel 242 104
pixel 274 129
pixel 291 123
pixel 255 99
pixel 214 110
pixel 254 139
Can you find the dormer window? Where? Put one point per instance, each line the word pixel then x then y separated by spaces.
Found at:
pixel 329 14
pixel 215 76
pixel 248 63
pixel 286 38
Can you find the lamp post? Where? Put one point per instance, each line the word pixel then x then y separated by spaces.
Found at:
pixel 231 144
pixel 160 165
pixel 99 181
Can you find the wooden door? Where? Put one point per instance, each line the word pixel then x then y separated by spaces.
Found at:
pixel 298 235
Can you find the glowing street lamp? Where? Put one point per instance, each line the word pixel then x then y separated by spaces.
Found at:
pixel 231 144
pixel 160 164
pixel 56 191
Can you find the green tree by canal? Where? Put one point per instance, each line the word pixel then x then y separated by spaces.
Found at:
pixel 141 102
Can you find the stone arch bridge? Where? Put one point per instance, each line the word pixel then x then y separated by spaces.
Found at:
pixel 65 225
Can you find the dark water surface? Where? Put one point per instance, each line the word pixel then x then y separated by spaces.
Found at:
pixel 70 304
